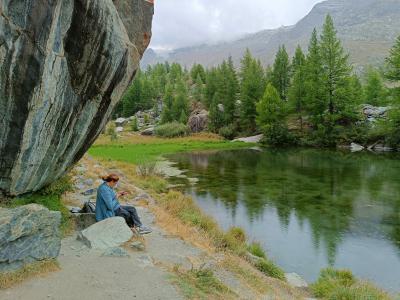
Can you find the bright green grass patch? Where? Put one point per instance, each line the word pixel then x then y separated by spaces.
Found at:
pixel 140 153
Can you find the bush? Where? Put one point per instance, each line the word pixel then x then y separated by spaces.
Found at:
pixel 228 132
pixel 256 250
pixel 270 269
pixel 58 187
pixel 171 130
pixel 147 169
pixel 134 125
pixel 278 135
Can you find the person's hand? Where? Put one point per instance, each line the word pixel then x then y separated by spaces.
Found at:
pixel 121 194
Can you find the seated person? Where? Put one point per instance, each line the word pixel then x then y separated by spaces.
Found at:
pixel 107 205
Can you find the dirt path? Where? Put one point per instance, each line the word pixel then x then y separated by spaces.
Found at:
pixel 87 274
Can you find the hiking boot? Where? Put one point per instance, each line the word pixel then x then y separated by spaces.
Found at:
pixel 144 230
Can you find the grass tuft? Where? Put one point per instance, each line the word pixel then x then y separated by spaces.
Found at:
pixel 341 284
pixel 270 269
pixel 201 284
pixel 9 279
pixel 256 249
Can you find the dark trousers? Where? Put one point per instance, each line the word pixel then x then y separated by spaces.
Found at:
pixel 130 215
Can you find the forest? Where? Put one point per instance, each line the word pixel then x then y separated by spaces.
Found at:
pixel 312 99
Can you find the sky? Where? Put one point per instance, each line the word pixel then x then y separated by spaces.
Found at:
pixel 181 23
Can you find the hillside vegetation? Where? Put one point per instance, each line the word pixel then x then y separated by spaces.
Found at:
pixel 366 27
pixel 314 98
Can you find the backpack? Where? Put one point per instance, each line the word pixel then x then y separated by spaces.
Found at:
pixel 88 208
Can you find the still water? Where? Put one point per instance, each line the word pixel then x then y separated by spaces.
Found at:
pixel 309 209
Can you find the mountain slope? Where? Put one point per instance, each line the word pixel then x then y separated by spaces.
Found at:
pixel 367 28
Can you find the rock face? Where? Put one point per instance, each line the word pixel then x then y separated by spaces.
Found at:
pixel 64 65
pixel 198 120
pixel 27 234
pixel 109 233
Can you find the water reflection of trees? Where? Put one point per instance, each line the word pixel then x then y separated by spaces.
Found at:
pixel 320 188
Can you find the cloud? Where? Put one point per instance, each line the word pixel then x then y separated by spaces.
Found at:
pixel 180 23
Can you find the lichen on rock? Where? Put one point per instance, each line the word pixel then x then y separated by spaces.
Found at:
pixel 64 65
pixel 28 234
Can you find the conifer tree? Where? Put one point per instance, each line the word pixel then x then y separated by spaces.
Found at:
pixel 211 86
pixel 166 115
pixel 393 74
pixel 336 69
pixel 375 91
pixel 271 117
pixel 196 71
pixel 198 93
pixel 216 118
pixel 281 72
pixel 227 86
pixel 393 62
pixel 357 89
pixel 131 99
pixel 252 86
pixel 313 81
pixel 180 106
pixel 297 91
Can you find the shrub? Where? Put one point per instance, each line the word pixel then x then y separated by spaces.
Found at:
pixel 58 187
pixel 256 250
pixel 110 129
pixel 171 130
pixel 146 119
pixel 278 135
pixel 270 269
pixel 134 125
pixel 228 132
pixel 147 169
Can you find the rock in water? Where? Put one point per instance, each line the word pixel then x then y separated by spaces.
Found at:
pixel 64 65
pixel 27 234
pixel 109 233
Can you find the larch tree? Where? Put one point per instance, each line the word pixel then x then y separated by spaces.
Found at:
pixel 281 73
pixel 252 86
pixel 297 91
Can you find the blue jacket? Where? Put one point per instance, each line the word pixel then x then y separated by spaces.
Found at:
pixel 106 202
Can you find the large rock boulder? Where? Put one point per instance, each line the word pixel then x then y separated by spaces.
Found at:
pixel 109 233
pixel 198 120
pixel 64 65
pixel 27 234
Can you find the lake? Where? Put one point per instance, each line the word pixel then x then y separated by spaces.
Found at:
pixel 308 208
